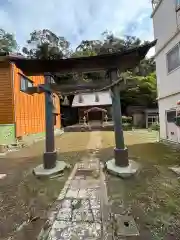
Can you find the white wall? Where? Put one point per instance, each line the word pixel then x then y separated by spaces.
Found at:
pixel 167 83
pixel 165 22
pixel 164 105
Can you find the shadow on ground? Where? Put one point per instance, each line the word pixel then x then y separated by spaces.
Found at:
pixel 153 195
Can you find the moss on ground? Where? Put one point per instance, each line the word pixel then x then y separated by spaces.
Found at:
pixel 153 195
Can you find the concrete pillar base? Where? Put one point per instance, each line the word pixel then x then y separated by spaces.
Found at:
pixel 40 171
pixel 49 160
pixel 121 157
pixel 123 172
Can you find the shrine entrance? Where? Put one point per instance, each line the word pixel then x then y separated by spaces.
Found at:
pixel 85 190
pixel 112 66
pixel 95 114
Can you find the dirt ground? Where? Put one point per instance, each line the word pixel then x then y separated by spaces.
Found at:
pixel 152 196
pixel 23 197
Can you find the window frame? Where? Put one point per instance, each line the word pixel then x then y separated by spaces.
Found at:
pixel 27 81
pixel 167 63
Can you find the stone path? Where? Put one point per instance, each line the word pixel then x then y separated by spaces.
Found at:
pixel 81 211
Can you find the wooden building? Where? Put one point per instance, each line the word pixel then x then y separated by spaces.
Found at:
pixel 23 113
pixel 93 106
pixel 142 116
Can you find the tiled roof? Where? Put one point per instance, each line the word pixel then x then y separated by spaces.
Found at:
pixel 89 99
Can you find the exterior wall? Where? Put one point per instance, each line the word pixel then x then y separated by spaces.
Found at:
pixel 29 109
pixel 167 83
pixel 165 20
pixel 58 112
pixel 164 105
pixel 6 94
pixel 138 120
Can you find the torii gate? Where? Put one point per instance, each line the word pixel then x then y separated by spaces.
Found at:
pixel 120 61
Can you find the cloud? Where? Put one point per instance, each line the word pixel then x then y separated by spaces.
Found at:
pixel 76 19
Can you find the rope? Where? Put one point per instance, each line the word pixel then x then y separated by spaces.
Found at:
pixel 91 90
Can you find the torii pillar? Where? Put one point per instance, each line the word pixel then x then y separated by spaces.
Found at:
pixel 50 154
pixel 50 164
pixel 120 165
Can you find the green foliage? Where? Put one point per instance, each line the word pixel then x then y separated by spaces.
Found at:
pixel 7 42
pixel 113 44
pixel 143 93
pixel 126 123
pixel 109 44
pixel 127 126
pixel 141 80
pixel 44 44
pixel 126 119
pixel 155 126
pixel 146 67
pixel 177 121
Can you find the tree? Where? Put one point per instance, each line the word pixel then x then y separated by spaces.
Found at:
pixel 113 44
pixel 44 44
pixel 7 42
pixel 143 93
pixel 109 44
pixel 146 67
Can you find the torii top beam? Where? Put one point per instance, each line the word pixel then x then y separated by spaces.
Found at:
pixel 123 61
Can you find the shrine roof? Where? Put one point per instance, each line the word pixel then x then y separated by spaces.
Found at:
pixel 123 60
pixel 89 99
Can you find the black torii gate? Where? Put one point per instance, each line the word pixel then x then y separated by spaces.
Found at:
pixel 120 61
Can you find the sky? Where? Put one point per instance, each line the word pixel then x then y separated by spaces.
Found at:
pixel 77 20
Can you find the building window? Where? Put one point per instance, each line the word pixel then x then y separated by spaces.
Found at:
pixel 177 3
pixel 152 120
pixel 25 83
pixel 173 58
pixel 171 115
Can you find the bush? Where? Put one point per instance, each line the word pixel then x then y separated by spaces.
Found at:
pixel 127 126
pixel 155 126
pixel 126 119
pixel 177 121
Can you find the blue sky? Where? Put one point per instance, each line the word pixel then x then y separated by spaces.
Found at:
pixel 77 20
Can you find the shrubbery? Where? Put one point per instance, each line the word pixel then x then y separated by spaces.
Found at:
pixel 155 126
pixel 126 123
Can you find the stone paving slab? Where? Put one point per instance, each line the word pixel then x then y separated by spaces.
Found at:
pixel 78 214
pixel 82 210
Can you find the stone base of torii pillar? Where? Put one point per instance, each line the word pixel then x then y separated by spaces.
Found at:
pixel 120 165
pixel 123 172
pixel 40 171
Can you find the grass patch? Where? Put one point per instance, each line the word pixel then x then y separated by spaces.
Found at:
pixel 153 195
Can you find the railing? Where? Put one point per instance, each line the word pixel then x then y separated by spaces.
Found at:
pixel 155 3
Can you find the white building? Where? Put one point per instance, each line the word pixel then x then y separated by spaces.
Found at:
pixel 93 106
pixel 166 21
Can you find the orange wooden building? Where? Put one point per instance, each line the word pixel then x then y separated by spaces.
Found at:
pixel 25 112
